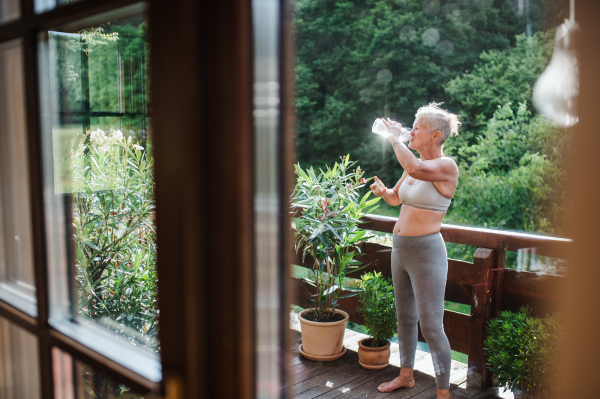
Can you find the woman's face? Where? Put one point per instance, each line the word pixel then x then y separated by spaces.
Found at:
pixel 419 135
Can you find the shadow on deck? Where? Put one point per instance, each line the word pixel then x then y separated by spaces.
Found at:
pixel 345 378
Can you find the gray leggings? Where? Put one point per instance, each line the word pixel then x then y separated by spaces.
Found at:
pixel 419 271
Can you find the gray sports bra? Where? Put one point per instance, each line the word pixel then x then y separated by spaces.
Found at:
pixel 424 195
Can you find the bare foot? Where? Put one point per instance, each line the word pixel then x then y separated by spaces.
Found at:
pixel 443 394
pixel 398 382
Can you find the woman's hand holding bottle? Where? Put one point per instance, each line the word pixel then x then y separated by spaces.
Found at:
pixel 396 131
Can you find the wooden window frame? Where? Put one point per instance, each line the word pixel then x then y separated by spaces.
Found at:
pixel 202 78
pixel 26 28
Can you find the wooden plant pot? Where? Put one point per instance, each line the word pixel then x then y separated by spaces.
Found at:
pixel 373 358
pixel 322 341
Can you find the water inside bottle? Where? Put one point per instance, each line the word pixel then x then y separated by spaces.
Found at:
pixel 380 129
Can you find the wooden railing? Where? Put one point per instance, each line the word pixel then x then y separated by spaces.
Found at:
pixel 486 285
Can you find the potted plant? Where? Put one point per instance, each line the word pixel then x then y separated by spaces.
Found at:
pixel 521 351
pixel 378 309
pixel 327 230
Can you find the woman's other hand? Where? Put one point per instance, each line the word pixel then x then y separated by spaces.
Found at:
pixel 376 189
pixel 394 129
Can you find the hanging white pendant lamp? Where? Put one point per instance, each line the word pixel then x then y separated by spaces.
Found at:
pixel 555 92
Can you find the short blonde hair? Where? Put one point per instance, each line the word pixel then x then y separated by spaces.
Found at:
pixel 436 119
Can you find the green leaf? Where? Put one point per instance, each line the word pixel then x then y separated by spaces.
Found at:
pixel 331 289
pixel 309 281
pixel 372 202
pixel 364 198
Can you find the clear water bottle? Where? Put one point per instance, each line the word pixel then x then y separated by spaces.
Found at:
pixel 380 129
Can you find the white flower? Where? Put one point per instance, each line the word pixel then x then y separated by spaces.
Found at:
pixel 97 137
pixel 117 135
pixel 138 147
pixel 80 150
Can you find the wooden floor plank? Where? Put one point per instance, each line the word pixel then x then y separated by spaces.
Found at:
pixel 346 379
pixel 490 393
pixel 307 367
pixel 459 393
pixel 318 368
pixel 370 385
pixel 349 386
pixel 306 375
pixel 422 382
pixel 301 368
pixel 300 362
pixel 332 380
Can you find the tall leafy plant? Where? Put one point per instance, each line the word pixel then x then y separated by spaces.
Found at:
pixel 115 238
pixel 327 229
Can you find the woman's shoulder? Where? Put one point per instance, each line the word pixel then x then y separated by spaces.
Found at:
pixel 447 162
pixel 449 167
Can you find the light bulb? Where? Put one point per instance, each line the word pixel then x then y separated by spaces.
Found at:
pixel 555 92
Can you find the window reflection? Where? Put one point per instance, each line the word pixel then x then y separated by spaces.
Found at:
pixel 99 178
pixel 16 264
pixel 76 380
pixel 19 369
pixel 47 5
pixel 9 10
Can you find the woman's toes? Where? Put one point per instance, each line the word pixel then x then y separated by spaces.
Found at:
pixel 384 387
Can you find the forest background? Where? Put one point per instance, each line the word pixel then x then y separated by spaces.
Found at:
pixel 357 60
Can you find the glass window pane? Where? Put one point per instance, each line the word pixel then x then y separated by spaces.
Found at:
pixel 9 10
pixel 76 380
pixel 19 368
pixel 99 182
pixel 16 264
pixel 47 5
pixel 267 206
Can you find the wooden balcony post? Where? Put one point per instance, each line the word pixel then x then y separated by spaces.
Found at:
pixel 498 300
pixel 485 263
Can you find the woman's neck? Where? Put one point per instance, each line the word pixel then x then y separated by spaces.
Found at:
pixel 431 153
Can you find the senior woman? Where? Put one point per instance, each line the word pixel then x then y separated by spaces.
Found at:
pixel 419 263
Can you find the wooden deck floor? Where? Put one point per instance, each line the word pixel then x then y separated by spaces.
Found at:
pixel 346 379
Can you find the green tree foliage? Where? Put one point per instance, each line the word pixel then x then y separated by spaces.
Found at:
pixel 501 77
pixel 358 60
pixel 104 69
pixel 343 48
pixel 513 178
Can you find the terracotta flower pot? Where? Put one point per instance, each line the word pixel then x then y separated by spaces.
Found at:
pixel 527 394
pixel 322 341
pixel 373 358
